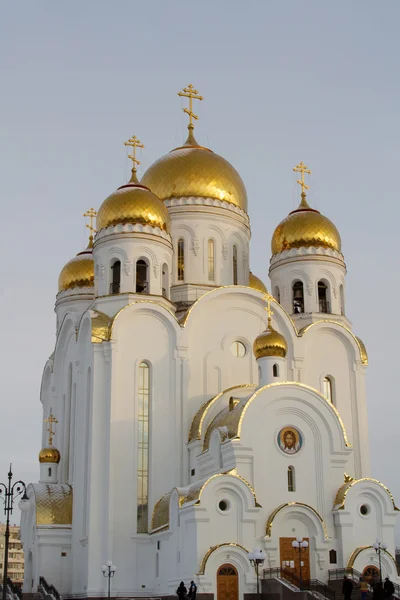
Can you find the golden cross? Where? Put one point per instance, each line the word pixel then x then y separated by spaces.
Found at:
pixel 92 214
pixel 268 308
pixel 192 94
pixel 302 168
pixel 51 419
pixel 134 142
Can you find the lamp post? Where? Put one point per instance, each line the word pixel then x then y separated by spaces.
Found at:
pixel 379 547
pixel 109 571
pixel 9 493
pixel 257 558
pixel 300 544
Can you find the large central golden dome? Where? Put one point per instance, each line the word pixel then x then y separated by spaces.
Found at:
pixel 192 170
pixel 303 228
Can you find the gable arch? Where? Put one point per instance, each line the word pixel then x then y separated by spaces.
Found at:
pixel 238 556
pixel 118 253
pixel 305 513
pixel 344 333
pixel 152 308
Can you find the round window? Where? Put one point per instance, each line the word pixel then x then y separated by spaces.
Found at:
pixel 238 349
pixel 224 505
pixel 364 510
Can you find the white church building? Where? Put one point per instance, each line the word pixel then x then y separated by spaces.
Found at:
pixel 196 415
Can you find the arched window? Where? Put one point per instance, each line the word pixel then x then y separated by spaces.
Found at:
pixel 235 265
pixel 327 388
pixel 291 483
pixel 341 292
pixel 49 471
pixel 165 281
pixel 141 277
pixel 115 277
pixel 211 260
pixel 298 297
pixel 143 448
pixel 277 294
pixel 181 259
pixel 275 370
pixel 323 301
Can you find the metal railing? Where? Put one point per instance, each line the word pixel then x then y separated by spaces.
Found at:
pixel 49 589
pixel 114 288
pixel 304 585
pixel 335 574
pixel 324 306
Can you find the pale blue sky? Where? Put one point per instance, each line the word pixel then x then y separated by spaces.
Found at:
pixel 283 81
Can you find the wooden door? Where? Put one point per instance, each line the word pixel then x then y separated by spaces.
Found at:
pixel 227 583
pixel 371 574
pixel 290 558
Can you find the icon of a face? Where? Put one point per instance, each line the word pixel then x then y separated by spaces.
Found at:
pixel 289 440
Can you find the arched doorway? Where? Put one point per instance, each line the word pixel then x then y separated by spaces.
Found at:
pixel 371 574
pixel 227 583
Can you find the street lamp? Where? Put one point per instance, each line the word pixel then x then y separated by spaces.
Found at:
pixel 257 558
pixel 9 493
pixel 300 544
pixel 379 547
pixel 109 571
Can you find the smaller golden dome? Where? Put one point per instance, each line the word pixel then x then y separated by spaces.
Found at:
pixel 133 203
pixel 303 228
pixel 257 284
pixel 49 455
pixel 270 343
pixel 78 272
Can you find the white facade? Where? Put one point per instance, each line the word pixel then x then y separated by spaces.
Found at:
pixel 217 471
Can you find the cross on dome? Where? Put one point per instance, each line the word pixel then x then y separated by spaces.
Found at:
pixel 268 308
pixel 91 214
pixel 192 94
pixel 134 143
pixel 51 419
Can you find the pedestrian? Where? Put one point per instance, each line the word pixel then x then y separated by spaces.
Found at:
pixel 192 591
pixel 347 588
pixel 364 587
pixel 388 587
pixel 378 592
pixel 181 591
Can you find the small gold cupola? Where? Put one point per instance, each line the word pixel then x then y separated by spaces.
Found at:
pixel 269 342
pixel 49 457
pixel 79 271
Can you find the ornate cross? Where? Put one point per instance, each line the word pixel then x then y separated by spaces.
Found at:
pixel 92 214
pixel 51 419
pixel 134 142
pixel 192 94
pixel 302 168
pixel 268 308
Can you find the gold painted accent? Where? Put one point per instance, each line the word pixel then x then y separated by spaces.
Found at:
pixel 136 204
pixel 270 342
pixel 196 489
pixel 138 302
pixel 277 510
pixel 207 555
pixel 78 272
pixel 192 94
pixel 49 455
pixel 51 419
pixel 134 142
pixel 360 549
pixel 340 500
pixel 196 427
pixel 92 214
pixel 348 478
pixel 361 347
pixel 256 284
pixel 101 327
pixel 160 516
pixel 53 504
pixel 363 350
pixel 302 168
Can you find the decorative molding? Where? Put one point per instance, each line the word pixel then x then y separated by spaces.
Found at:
pixel 225 250
pixel 102 271
pixel 195 245
pixel 127 267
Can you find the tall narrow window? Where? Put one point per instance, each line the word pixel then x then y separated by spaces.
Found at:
pixel 141 277
pixel 342 300
pixel 116 277
pixel 235 265
pixel 277 294
pixel 298 297
pixel 275 370
pixel 327 388
pixel 211 260
pixel 143 448
pixel 323 297
pixel 165 281
pixel 181 260
pixel 291 484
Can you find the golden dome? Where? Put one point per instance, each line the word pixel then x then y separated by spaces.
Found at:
pixel 305 227
pixel 49 455
pixel 270 343
pixel 78 272
pixel 257 284
pixel 133 203
pixel 192 170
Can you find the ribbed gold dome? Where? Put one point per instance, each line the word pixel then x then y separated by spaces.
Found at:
pixel 257 284
pixel 270 343
pixel 49 455
pixel 78 272
pixel 133 203
pixel 192 170
pixel 305 227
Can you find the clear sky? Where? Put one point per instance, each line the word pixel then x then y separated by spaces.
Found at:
pixel 283 81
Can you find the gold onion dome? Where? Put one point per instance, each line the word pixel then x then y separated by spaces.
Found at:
pixel 270 343
pixel 303 228
pixel 49 455
pixel 79 271
pixel 256 283
pixel 193 170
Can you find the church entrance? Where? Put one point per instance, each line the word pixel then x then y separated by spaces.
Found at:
pixel 227 583
pixel 371 574
pixel 290 559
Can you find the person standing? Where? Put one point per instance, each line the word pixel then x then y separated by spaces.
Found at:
pixel 364 587
pixel 192 590
pixel 181 591
pixel 388 587
pixel 347 588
